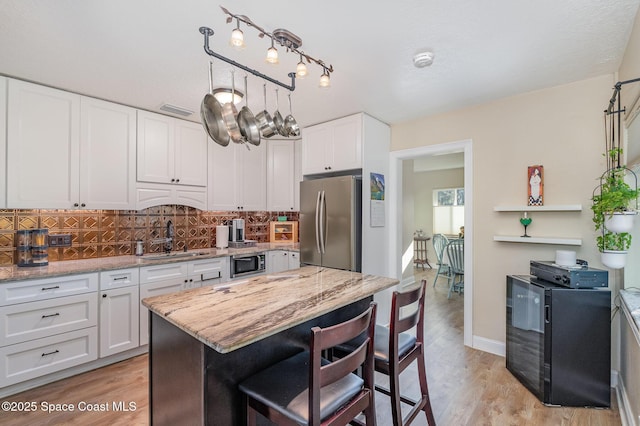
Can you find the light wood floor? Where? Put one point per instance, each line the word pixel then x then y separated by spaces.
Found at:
pixel 467 387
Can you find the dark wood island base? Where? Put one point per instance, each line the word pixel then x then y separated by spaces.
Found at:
pixel 204 342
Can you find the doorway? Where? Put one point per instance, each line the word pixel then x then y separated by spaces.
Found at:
pixel 396 215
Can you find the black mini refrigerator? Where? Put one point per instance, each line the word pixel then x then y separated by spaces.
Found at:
pixel 559 341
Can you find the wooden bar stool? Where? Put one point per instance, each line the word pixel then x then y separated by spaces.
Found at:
pixel 309 389
pixel 395 350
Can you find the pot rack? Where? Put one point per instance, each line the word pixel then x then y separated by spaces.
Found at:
pixel 208 32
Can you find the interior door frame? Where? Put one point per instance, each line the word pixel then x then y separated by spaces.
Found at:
pixel 395 197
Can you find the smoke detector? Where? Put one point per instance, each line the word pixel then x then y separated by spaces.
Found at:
pixel 423 59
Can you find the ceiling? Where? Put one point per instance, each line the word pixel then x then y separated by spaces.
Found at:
pixel 145 53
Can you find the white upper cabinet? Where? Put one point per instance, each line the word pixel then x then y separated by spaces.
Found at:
pixel 3 140
pixel 280 175
pixel 238 177
pixel 332 146
pixel 43 139
pixel 66 151
pixel 297 175
pixel 107 155
pixel 171 151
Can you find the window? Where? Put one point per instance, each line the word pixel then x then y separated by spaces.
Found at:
pixel 448 211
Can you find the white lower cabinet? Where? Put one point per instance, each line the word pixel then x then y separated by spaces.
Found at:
pixel 119 312
pixel 38 357
pixel 47 325
pixel 150 290
pixel 29 321
pixel 208 272
pixel 282 260
pixel 156 280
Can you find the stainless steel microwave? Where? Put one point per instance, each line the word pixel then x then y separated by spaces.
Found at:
pixel 248 264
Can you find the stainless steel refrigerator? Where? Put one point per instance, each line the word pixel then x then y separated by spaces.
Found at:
pixel 331 222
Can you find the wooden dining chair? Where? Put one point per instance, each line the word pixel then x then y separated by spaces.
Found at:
pixel 311 390
pixel 396 348
pixel 455 253
pixel 439 245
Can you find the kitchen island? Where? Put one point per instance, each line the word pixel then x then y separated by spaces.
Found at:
pixel 205 341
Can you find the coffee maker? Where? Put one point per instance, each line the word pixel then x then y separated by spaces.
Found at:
pixel 236 231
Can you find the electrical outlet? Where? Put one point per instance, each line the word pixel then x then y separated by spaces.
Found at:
pixel 60 240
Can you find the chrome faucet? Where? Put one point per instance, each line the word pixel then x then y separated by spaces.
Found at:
pixel 168 244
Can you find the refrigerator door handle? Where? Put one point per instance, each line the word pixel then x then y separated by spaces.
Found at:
pixel 322 220
pixel 318 222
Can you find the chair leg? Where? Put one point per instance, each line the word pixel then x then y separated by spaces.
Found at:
pixel 451 286
pixel 394 394
pixel 424 390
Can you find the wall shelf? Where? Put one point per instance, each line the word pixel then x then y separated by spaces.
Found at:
pixel 538 240
pixel 549 208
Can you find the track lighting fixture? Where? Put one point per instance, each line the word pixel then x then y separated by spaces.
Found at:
pixel 284 38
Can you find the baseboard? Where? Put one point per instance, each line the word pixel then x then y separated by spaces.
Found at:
pixel 624 405
pixel 495 347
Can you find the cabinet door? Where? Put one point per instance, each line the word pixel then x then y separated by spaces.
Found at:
pixel 155 148
pixel 190 154
pixel 294 260
pixel 43 138
pixel 107 155
pixel 315 140
pixel 346 145
pixel 280 175
pixel 119 327
pixel 278 261
pixel 253 177
pixel 3 141
pixel 150 290
pixel 223 185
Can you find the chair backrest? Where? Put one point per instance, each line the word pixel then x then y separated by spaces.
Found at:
pixel 322 375
pixel 400 324
pixel 455 252
pixel 439 244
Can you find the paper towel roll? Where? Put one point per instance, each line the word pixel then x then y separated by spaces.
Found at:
pixel 222 236
pixel 565 258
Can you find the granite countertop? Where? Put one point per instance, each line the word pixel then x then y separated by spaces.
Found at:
pixel 70 267
pixel 235 314
pixel 631 300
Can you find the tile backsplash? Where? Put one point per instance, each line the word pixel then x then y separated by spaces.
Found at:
pixel 104 233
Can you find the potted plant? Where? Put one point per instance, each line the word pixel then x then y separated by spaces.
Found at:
pixel 613 212
pixel 613 248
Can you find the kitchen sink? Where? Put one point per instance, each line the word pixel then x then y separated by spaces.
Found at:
pixel 172 255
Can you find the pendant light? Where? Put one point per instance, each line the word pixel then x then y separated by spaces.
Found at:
pixel 301 69
pixel 325 80
pixel 237 37
pixel 272 54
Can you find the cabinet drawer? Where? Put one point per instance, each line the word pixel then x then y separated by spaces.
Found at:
pixel 214 270
pixel 28 321
pixel 36 358
pixel 48 288
pixel 119 278
pixel 157 273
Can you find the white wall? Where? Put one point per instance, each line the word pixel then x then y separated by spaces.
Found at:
pixel 560 128
pixel 424 184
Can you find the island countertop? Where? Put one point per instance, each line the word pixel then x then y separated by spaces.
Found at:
pixel 232 315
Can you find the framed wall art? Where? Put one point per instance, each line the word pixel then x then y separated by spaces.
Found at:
pixel 535 185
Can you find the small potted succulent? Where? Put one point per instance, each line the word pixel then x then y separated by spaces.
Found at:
pixel 614 209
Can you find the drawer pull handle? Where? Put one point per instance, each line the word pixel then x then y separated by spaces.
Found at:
pixel 57 314
pixel 50 288
pixel 120 278
pixel 50 353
